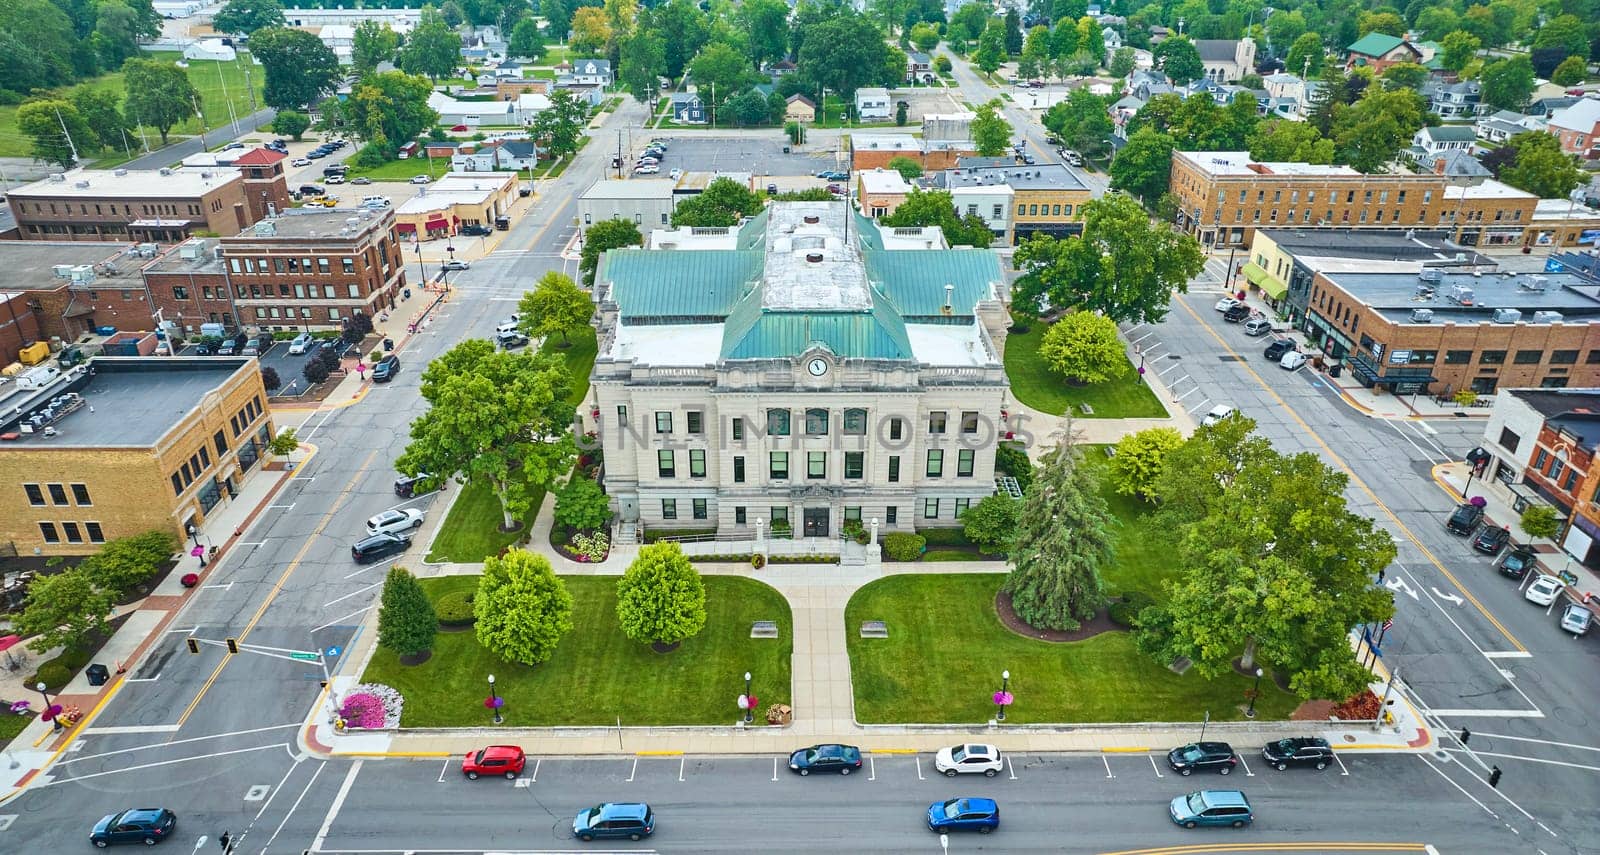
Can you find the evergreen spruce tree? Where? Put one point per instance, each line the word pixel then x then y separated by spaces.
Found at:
pixel 1063 538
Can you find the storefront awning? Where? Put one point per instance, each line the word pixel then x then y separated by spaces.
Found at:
pixel 437 224
pixel 406 228
pixel 1260 278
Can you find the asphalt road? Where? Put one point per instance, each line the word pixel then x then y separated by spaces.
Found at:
pixel 194 145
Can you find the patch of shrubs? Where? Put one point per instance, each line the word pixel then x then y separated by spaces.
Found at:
pixel 455 609
pixel 1125 612
pixel 900 546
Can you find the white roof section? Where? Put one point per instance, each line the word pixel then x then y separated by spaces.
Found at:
pixel 962 116
pixel 467 188
pixel 1344 264
pixel 1561 209
pixel 1489 189
pixel 631 188
pixel 885 142
pixel 811 264
pixel 445 105
pixel 886 181
pixel 949 345
pixel 131 183
pixel 693 239
pixel 872 92
pixel 1238 163
pixel 688 345
pixel 1581 116
pixel 532 101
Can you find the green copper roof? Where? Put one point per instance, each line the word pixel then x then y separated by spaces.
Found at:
pixel 673 286
pixel 1375 44
pixel 914 279
pixel 752 332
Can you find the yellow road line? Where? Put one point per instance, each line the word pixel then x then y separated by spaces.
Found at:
pixel 1358 482
pixel 277 587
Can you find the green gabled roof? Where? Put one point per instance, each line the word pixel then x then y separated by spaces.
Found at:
pixel 752 236
pixel 914 279
pixel 1375 44
pixel 668 286
pixel 871 233
pixel 752 332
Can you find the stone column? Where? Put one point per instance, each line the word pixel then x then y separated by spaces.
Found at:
pixel 760 547
pixel 874 540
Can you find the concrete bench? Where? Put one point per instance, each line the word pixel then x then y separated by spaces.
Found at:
pixel 874 629
pixel 764 629
pixel 1087 410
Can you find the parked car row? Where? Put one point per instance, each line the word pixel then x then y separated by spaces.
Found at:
pixel 1467 520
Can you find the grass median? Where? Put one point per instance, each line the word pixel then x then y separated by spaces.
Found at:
pixel 597 674
pixel 1125 396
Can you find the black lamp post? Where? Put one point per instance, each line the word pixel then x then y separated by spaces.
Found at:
pixel 1005 685
pixel 749 714
pixel 1254 693
pixel 494 701
pixel 55 720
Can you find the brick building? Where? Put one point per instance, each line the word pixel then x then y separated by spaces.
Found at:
pixel 162 206
pixel 266 187
pixel 1542 445
pixel 314 269
pixel 188 284
pixel 138 444
pixel 1046 199
pixel 1432 332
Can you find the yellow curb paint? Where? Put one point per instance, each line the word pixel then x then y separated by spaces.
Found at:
pixel 658 753
pixel 1131 750
pixel 71 732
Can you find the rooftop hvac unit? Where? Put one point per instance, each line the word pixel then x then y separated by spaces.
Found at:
pixel 148 250
pixel 189 250
pixel 1422 316
pixel 82 273
pixel 216 252
pixel 57 177
pixel 61 271
pixel 81 185
pixel 1459 293
pixel 1547 317
pixel 1537 283
pixel 1430 274
pixel 266 228
pixel 1461 257
pixel 120 173
pixel 353 222
pixel 165 171
pixel 1506 316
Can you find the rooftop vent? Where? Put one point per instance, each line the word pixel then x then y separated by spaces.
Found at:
pixel 1536 283
pixel 119 172
pixel 1548 317
pixel 81 185
pixel 949 291
pixel 1459 293
pixel 814 257
pixel 1430 274
pixel 1422 316
pixel 812 219
pixel 164 171
pixel 1506 316
pixel 58 177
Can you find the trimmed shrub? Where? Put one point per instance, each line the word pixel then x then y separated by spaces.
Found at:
pixel 455 609
pixel 1125 612
pixel 53 674
pixel 900 546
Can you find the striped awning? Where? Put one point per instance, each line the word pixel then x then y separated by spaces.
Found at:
pixel 1260 278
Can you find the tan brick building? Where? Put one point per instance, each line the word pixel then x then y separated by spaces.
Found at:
pixel 314 269
pixel 139 444
pixel 162 206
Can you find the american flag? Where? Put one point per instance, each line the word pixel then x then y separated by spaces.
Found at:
pixel 1388 624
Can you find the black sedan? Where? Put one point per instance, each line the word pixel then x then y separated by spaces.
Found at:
pixel 1236 314
pixel 1518 562
pixel 140 825
pixel 843 759
pixel 1298 751
pixel 1491 540
pixel 1207 756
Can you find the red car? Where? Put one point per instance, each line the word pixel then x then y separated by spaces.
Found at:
pixel 507 760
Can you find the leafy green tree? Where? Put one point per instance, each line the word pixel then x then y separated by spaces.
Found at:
pixel 1063 538
pixel 452 14
pixel 1122 62
pixel 723 203
pixel 942 64
pixel 159 94
pixel 407 623
pixel 373 43
pixel 116 32
pixel 843 54
pixel 901 114
pixel 1136 467
pixel 1121 266
pixel 1283 27
pixel 1370 133
pixel 1508 83
pixel 1012 22
pixel 1435 21
pixel 1144 166
pixel 127 562
pixel 555 305
pixel 968 24
pixel 925 37
pixel 1405 75
pixel 63 610
pixel 1387 23
pixel 1541 167
pixel 522 610
pixel 1081 122
pixel 581 505
pixel 526 40
pixel 290 124
pixel 747 108
pixel 1180 60
pixel 285 443
pixel 765 24
pixel 1288 141
pixel 907 167
pixel 660 599
pixel 991 133
pixel 643 61
pixel 496 416
pixel 1566 32
pixel 560 128
pixel 432 49
pixel 389 108
pixel 41 122
pixel 1540 521
pixel 719 72
pixel 1570 72
pixel 604 235
pixel 102 111
pixel 1083 347
pixel 991 47
pixel 937 208
pixel 992 522
pixel 1457 49
pixel 1090 41
pixel 1305 56
pixel 248 16
pixel 300 68
pixel 1276 567
pixel 557 15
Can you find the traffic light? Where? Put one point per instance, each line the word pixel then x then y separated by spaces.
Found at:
pixel 194 644
pixel 233 645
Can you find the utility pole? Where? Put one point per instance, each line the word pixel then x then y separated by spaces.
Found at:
pixel 64 132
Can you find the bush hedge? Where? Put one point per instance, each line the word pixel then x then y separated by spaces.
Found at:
pixel 455 609
pixel 53 674
pixel 1125 612
pixel 900 546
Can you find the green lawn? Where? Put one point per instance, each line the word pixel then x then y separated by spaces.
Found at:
pixel 946 649
pixel 1126 396
pixel 403 170
pixel 579 359
pixel 472 532
pixel 1143 550
pixel 597 674
pixel 203 74
pixel 12 725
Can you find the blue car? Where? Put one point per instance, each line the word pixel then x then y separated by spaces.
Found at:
pixel 1211 807
pixel 980 815
pixel 140 825
pixel 633 820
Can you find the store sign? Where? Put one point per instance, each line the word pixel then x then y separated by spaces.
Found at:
pixel 1399 357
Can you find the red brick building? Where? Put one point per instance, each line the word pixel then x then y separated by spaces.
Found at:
pixel 266 187
pixel 132 205
pixel 314 269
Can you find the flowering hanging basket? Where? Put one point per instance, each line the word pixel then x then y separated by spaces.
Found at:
pixel 1002 699
pixel 190 580
pixel 494 702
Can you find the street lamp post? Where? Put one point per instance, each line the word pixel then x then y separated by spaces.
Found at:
pixel 749 713
pixel 1004 697
pixel 494 701
pixel 1254 693
pixel 55 720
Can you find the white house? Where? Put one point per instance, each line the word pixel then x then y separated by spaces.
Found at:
pixel 472 113
pixel 873 104
pixel 212 49
pixel 588 71
pixel 1438 140
pixel 341 39
pixel 1111 37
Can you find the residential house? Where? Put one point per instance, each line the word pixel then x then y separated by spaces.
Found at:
pixel 688 108
pixel 1577 126
pixel 1284 85
pixel 1112 37
pixel 516 154
pixel 1458 164
pixel 1279 108
pixel 1546 107
pixel 1378 51
pixel 873 104
pixel 1121 112
pixel 1502 125
pixel 1227 60
pixel 1453 100
pixel 592 94
pixel 799 108
pixel 919 67
pixel 595 72
pixel 782 68
pixel 1437 140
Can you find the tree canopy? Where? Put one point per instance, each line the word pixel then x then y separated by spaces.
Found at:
pixel 433 48
pixel 660 599
pixel 407 623
pixel 248 16
pixel 604 235
pixel 160 94
pixel 937 208
pixel 556 305
pixel 723 203
pixel 522 609
pixel 1063 538
pixel 1083 347
pixel 300 68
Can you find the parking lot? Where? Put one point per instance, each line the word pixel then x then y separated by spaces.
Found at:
pixel 760 156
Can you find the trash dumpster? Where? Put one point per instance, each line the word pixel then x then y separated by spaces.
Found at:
pixel 98 674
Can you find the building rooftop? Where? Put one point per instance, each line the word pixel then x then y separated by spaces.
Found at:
pixel 1450 133
pixel 129 183
pixel 631 188
pixel 1487 189
pixel 130 401
pixel 456 187
pixel 1043 176
pixel 1580 116
pixel 1240 163
pixel 1375 44
pixel 319 223
pixel 884 142
pixel 1559 402
pixel 195 255
pixel 1396 295
pixel 259 157
pixel 1216 50
pixel 886 181
pixel 30 265
pixel 1429 247
pixel 811 262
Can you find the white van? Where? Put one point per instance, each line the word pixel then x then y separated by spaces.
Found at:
pixel 375 202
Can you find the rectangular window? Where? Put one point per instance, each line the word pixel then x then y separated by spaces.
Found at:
pixel 1593 358
pixel 94 532
pixel 1509 440
pixel 697 463
pixel 221 442
pixel 894 469
pixel 80 494
pixel 816 464
pixel 855 422
pixel 1541 459
pixel 778 514
pixel 669 509
pixel 936 422
pixel 961 506
pixel 71 530
pixel 177 484
pixel 738 428
pixel 935 462
pixel 964 463
pixel 896 426
pixel 696 421
pixel 666 466
pixel 699 506
pixel 777 422
pixel 349 264
pixel 58 494
pixel 35 495
pixel 1528 357
pixel 816 422
pixel 930 509
pixel 852 514
pixel 738 470
pixel 891 515
pixel 48 532
pixel 1563 357
pixel 663 422
pixel 854 464
pixel 738 515
pixel 1492 357
pixel 969 422
pixel 778 465
pixel 1457 357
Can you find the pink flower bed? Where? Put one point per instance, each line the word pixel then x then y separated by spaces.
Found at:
pixel 362 710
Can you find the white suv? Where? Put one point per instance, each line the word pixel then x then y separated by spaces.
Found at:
pixel 301 343
pixel 395 522
pixel 969 759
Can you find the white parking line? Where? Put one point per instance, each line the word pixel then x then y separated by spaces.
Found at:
pixel 536 762
pixel 681 761
pixel 1246 765
pixel 872 762
pixel 1185 394
pixel 1012 768
pixel 919 768
pixel 633 770
pixel 1107 760
pixel 338 620
pixel 1153 766
pixel 1344 771
pixel 1171 367
pixel 443 770
pixel 352 594
pixel 774 770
